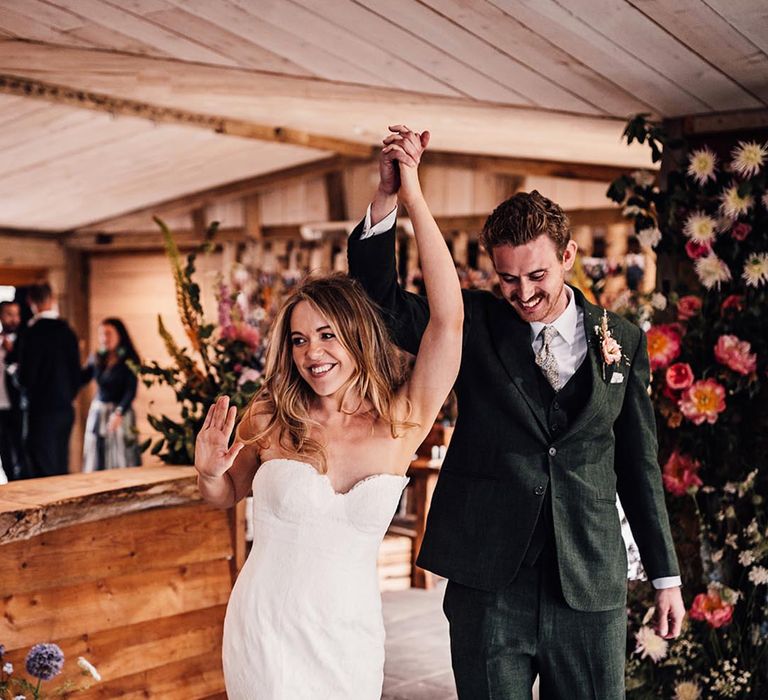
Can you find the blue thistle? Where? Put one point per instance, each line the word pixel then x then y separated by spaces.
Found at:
pixel 45 661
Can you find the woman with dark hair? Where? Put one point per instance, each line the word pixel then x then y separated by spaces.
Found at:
pixel 110 432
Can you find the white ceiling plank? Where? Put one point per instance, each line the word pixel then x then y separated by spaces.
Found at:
pixel 576 36
pixel 45 13
pixel 245 53
pixel 658 48
pixel 409 47
pixel 747 16
pixel 539 54
pixel 274 38
pixel 499 64
pixel 136 27
pixel 712 36
pixel 314 28
pixel 17 24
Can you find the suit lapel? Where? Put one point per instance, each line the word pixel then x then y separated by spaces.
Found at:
pixel 512 341
pixel 593 316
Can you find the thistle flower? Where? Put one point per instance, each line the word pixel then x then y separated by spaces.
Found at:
pixel 748 158
pixel 700 227
pixel 712 271
pixel 649 237
pixel 45 661
pixel 649 644
pixel 687 690
pixel 701 166
pixel 755 271
pixel 732 204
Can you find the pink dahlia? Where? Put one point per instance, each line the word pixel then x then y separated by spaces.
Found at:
pixel 688 306
pixel 711 608
pixel 697 250
pixel 740 231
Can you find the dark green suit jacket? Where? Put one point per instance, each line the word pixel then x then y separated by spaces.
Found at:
pixel 502 456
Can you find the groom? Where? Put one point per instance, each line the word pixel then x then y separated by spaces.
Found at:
pixel 554 421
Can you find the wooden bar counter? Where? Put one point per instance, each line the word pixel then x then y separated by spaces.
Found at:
pixel 128 568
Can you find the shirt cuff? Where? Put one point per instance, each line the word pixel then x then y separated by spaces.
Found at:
pixel 384 225
pixel 667 582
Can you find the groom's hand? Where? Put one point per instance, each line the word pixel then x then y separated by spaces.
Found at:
pixel 412 145
pixel 670 611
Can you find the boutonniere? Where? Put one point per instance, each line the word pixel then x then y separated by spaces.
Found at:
pixel 609 346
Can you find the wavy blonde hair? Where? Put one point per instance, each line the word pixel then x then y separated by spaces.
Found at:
pixel 285 397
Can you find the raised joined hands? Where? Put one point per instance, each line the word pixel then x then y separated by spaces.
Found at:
pixel 402 146
pixel 213 456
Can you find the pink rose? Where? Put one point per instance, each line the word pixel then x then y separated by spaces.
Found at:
pixel 740 231
pixel 680 474
pixel 611 350
pixel 735 354
pixel 687 307
pixel 679 376
pixel 697 250
pixel 703 401
pixel 663 344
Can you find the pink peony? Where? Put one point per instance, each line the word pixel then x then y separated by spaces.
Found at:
pixel 680 474
pixel 703 401
pixel 740 231
pixel 687 307
pixel 697 250
pixel 735 353
pixel 663 344
pixel 679 376
pixel 711 608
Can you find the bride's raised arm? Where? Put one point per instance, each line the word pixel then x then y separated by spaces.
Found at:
pixel 439 355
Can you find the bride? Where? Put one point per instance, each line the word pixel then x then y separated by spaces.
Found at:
pixel 325 446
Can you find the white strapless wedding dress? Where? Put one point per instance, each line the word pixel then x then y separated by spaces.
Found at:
pixel 304 619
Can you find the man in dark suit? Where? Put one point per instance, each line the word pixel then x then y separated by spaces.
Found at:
pixel 11 418
pixel 49 372
pixel 554 420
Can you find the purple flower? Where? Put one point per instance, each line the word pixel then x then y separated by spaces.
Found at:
pixel 45 661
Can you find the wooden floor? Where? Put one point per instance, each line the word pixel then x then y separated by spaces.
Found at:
pixel 418 661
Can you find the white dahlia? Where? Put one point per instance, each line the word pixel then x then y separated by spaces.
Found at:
pixel 755 271
pixel 748 158
pixel 701 165
pixel 712 271
pixel 732 204
pixel 700 227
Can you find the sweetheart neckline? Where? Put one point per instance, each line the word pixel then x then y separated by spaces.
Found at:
pixel 327 479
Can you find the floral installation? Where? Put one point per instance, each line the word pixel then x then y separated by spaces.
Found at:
pixel 43 663
pixel 222 358
pixel 708 353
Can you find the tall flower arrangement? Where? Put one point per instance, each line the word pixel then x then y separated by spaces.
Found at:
pixel 225 357
pixel 708 353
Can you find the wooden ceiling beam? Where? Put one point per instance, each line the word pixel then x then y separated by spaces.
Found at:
pixel 102 102
pixel 138 219
pixel 505 165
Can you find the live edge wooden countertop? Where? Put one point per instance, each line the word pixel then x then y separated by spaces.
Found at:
pixel 32 507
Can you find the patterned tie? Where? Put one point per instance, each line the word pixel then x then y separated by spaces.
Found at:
pixel 545 358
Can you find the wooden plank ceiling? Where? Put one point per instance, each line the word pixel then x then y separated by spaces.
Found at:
pixel 542 79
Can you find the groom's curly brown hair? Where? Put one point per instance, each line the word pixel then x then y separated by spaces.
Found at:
pixel 524 217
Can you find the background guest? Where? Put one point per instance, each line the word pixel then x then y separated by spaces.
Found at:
pixel 11 420
pixel 110 432
pixel 49 373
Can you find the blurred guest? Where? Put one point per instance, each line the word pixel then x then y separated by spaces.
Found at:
pixel 11 417
pixel 110 433
pixel 49 374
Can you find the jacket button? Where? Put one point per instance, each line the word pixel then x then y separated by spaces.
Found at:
pixel 552 451
pixel 556 405
pixel 539 490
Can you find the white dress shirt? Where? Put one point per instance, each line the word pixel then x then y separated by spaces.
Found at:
pixel 569 346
